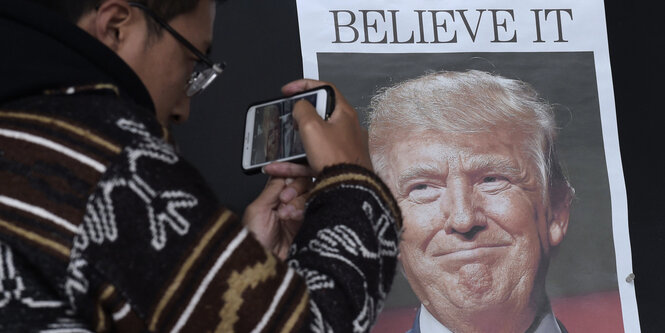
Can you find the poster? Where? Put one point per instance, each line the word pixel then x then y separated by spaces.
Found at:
pixel 559 48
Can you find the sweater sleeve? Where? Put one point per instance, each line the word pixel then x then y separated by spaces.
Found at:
pixel 347 249
pixel 156 252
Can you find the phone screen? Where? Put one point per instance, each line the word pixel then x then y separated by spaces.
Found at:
pixel 275 135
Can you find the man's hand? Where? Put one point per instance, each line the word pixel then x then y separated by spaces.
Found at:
pixel 277 214
pixel 340 139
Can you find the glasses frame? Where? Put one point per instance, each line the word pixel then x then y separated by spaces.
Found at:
pixel 198 80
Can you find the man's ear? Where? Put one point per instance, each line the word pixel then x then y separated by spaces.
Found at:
pixel 110 23
pixel 561 196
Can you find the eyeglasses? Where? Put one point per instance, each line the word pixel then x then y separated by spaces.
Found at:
pixel 205 70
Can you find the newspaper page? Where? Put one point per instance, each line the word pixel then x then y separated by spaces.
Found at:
pixel 497 212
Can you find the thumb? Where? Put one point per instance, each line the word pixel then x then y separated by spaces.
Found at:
pixel 306 117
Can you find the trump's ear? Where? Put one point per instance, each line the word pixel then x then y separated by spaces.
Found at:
pixel 561 196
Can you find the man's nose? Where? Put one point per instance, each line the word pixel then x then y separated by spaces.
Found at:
pixel 180 112
pixel 460 210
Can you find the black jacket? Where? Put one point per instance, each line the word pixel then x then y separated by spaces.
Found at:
pixel 42 51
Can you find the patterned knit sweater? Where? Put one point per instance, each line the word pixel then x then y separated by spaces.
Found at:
pixel 103 227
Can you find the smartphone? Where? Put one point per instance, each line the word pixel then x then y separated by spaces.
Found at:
pixel 270 131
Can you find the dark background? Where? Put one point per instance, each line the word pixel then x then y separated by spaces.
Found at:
pixel 259 41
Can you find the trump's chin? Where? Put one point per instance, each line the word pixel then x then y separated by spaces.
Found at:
pixel 472 288
pixel 475 280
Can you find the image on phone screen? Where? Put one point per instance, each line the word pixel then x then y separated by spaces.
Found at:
pixel 275 134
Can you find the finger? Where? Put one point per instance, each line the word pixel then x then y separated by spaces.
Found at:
pixel 298 215
pixel 341 105
pixel 270 194
pixel 290 170
pixel 299 204
pixel 296 188
pixel 288 194
pixel 307 84
pixel 302 85
pixel 306 117
pixel 301 184
pixel 284 212
pixel 344 114
pixel 292 214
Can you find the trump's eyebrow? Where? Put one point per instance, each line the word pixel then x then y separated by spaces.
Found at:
pixel 419 171
pixel 492 163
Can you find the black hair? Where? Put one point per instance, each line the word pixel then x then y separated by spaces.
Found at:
pixel 73 10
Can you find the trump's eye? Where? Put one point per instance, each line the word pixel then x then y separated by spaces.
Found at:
pixel 423 193
pixel 494 183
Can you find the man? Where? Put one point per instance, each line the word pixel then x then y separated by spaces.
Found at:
pixel 471 160
pixel 103 227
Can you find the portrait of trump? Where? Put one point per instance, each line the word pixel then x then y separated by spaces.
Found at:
pixel 472 159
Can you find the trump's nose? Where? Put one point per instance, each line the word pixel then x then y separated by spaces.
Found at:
pixel 460 212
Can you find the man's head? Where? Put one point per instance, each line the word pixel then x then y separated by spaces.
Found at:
pixel 471 160
pixel 162 62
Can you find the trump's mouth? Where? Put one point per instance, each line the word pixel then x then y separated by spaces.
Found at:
pixel 471 250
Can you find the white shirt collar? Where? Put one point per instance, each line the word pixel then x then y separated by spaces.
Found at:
pixel 429 324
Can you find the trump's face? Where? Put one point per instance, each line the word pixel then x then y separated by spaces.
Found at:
pixel 477 226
